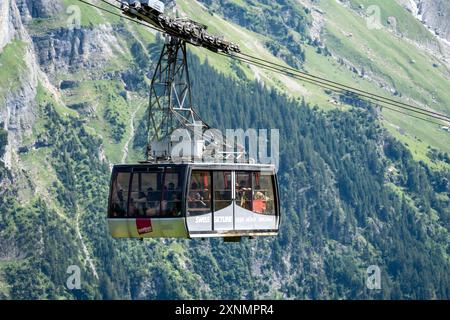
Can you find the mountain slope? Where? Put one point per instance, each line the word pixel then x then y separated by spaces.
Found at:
pixel 402 60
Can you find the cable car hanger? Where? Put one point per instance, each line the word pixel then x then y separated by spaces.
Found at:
pixel 185 29
pixel 170 105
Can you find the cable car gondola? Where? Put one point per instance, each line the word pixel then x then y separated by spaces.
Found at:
pixel 224 194
pixel 197 200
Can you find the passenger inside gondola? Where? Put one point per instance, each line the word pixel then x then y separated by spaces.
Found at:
pixel 152 202
pixel 195 197
pixel 141 204
pixel 243 195
pixel 150 197
pixel 118 207
pixel 222 190
pixel 199 197
pixel 120 195
pixel 132 210
pixel 175 205
pixel 259 202
pixel 171 204
pixel 263 196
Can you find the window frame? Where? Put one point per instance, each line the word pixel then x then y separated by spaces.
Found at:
pixel 143 170
pixel 188 189
pixel 273 191
pixel 114 177
pixel 181 192
pixel 250 174
pixel 213 188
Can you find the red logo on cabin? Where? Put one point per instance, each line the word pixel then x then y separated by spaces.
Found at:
pixel 144 226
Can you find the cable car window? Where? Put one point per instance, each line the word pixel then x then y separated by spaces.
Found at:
pixel 151 185
pixel 199 216
pixel 171 204
pixel 135 196
pixel 244 190
pixel 199 195
pixel 263 193
pixel 119 195
pixel 145 194
pixel 222 189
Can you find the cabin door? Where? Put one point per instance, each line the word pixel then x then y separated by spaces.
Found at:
pixel 199 204
pixel 223 191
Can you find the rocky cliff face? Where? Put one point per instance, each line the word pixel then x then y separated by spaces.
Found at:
pixel 64 50
pixel 17 112
pixel 38 9
pixel 46 59
pixel 14 13
pixel 436 15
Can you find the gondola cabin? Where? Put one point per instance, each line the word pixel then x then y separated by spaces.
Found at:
pixel 193 201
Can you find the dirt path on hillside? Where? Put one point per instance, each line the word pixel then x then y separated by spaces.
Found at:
pixel 127 144
pixel 83 245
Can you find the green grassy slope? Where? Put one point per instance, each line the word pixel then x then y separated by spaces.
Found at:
pixel 12 66
pixel 406 68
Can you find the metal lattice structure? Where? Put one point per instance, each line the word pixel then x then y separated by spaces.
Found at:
pixel 171 108
pixel 184 29
pixel 170 105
